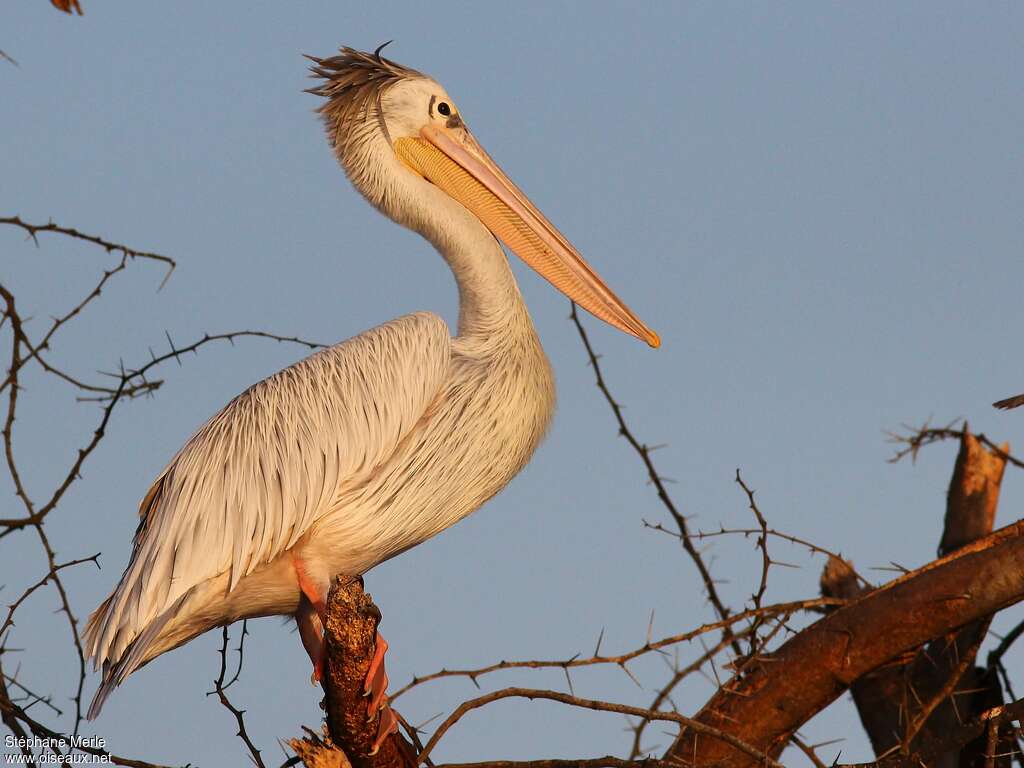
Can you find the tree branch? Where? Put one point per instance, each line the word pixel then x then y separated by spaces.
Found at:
pixel 773 697
pixel 908 705
pixel 644 452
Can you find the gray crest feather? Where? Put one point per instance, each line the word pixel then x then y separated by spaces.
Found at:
pixel 353 83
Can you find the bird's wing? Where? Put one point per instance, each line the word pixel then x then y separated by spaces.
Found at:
pixel 254 478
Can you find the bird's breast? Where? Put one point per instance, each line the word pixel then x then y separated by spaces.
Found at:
pixel 486 423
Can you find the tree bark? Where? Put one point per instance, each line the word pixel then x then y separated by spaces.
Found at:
pixel 351 635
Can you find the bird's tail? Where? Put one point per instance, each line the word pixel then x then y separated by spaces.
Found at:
pixel 149 643
pixel 120 641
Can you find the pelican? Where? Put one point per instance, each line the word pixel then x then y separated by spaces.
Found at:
pixel 369 447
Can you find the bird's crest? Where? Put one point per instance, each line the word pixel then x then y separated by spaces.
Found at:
pixel 353 83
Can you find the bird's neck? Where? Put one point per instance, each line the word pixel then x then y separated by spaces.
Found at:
pixel 491 308
pixel 490 304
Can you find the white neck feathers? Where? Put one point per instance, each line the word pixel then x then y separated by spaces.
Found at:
pixel 490 305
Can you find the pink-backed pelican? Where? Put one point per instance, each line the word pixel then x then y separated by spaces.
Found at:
pixel 371 446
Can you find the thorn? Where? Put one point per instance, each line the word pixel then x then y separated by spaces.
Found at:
pixel 629 674
pixel 174 351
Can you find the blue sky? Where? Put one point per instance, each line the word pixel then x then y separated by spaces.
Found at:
pixel 817 206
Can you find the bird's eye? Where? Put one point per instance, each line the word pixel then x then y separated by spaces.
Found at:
pixel 444 109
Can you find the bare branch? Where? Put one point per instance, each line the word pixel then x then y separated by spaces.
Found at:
pixel 1011 402
pixel 599 706
pixel 220 689
pixel 762 540
pixel 9 621
pixel 811 669
pixel 644 452
pixel 951 740
pixel 919 437
pixel 619 659
pixel 34 229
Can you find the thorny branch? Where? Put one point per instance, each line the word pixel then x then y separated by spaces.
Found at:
pixel 995 718
pixel 686 538
pixel 811 669
pixel 127 384
pixel 773 533
pixel 622 659
pixel 914 727
pixel 644 452
pixel 994 660
pixel 34 230
pixel 13 607
pixel 601 706
pixel 664 693
pixel 220 688
pixel 762 542
pixel 917 438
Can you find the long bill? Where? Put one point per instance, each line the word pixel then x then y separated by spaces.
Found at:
pixel 454 161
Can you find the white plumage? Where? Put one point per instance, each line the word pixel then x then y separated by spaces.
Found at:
pixel 371 446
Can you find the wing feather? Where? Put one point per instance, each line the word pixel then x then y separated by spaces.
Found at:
pixel 258 474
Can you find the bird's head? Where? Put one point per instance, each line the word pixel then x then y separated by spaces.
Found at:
pixel 393 127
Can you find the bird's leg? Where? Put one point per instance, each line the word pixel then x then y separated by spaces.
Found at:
pixel 311 630
pixel 376 688
pixel 311 618
pixel 388 725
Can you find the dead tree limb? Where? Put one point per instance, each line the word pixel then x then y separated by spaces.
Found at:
pixel 911 705
pixel 944 671
pixel 780 691
pixel 973 493
pixel 998 720
pixel 1011 402
pixel 68 6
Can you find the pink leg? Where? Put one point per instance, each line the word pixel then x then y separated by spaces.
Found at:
pixel 376 685
pixel 310 617
pixel 376 688
pixel 388 725
pixel 311 630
